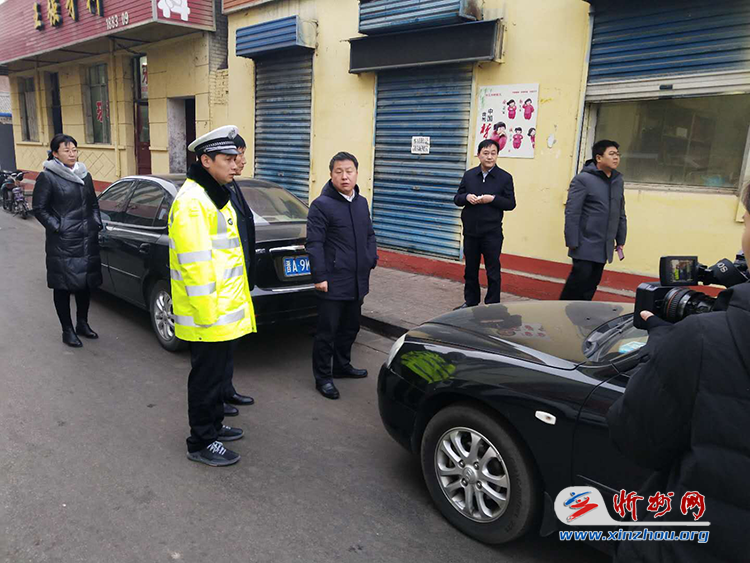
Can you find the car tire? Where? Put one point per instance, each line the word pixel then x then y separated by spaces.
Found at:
pixel 499 460
pixel 162 317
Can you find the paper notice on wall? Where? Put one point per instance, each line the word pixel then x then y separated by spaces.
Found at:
pixel 420 145
pixel 507 114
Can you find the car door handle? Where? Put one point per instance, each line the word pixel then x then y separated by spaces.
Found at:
pixel 144 248
pixel 108 227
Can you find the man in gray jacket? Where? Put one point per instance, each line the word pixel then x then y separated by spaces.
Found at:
pixel 595 221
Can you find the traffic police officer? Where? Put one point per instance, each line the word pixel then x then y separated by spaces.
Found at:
pixel 210 290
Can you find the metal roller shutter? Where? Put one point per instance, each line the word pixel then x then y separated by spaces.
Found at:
pixel 393 15
pixel 413 205
pixel 641 39
pixel 283 101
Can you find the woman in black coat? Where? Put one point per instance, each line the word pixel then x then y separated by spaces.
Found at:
pixel 65 203
pixel 686 414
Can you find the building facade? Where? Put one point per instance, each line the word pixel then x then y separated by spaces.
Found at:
pixel 132 80
pixel 410 88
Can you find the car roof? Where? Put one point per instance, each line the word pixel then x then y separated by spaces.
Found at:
pixel 173 182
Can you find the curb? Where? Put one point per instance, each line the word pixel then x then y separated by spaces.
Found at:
pixel 390 328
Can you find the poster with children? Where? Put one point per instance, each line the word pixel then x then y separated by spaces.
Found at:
pixel 507 114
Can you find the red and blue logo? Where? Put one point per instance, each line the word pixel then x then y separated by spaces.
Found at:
pixel 580 503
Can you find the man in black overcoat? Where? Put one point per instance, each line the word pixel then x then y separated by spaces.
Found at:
pixel 342 250
pixel 246 227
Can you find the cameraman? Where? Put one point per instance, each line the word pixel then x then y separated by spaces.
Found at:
pixel 686 415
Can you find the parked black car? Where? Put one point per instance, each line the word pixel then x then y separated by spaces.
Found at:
pixel 135 250
pixel 506 406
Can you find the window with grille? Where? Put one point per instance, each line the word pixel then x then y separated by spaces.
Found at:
pixel 96 102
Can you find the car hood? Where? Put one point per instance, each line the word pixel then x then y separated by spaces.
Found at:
pixel 544 329
pixel 269 232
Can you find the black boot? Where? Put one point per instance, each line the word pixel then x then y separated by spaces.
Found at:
pixel 70 338
pixel 83 329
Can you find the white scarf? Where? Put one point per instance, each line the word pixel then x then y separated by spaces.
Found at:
pixel 75 174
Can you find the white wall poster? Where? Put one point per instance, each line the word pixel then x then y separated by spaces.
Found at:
pixel 507 114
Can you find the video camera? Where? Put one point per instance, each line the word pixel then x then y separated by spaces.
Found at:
pixel 671 301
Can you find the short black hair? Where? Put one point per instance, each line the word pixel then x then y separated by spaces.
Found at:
pixel 211 155
pixel 529 100
pixel 601 146
pixel 498 125
pixel 341 157
pixel 532 129
pixel 239 142
pixel 57 140
pixel 488 143
pixel 517 129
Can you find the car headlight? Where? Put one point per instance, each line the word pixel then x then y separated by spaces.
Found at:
pixel 394 350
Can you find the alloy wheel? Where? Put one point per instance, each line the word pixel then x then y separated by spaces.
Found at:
pixel 164 316
pixel 472 474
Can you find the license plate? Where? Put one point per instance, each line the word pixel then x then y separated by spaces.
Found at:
pixel 297 266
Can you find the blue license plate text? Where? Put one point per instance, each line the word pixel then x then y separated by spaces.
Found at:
pixel 297 266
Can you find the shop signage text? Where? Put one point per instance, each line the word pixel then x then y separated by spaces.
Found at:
pixel 54 12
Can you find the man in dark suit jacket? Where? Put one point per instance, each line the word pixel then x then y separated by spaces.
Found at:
pixel 246 226
pixel 342 250
pixel 595 221
pixel 485 193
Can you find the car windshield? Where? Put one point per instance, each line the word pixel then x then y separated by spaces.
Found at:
pixel 274 205
pixel 614 339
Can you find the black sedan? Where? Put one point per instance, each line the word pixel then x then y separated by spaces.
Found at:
pixel 135 250
pixel 506 406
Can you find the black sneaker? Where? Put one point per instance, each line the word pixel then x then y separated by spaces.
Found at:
pixel 215 455
pixel 228 434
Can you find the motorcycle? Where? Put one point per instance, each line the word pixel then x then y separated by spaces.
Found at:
pixel 20 207
pixel 6 186
pixel 14 198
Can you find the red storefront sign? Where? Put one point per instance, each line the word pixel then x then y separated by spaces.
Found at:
pixel 30 28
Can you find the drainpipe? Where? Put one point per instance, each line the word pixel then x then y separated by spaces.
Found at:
pixel 113 99
pixel 41 128
pixel 582 102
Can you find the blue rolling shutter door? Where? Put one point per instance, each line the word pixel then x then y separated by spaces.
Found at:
pixel 645 39
pixel 283 98
pixel 413 205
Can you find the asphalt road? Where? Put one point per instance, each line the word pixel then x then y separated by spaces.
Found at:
pixel 92 451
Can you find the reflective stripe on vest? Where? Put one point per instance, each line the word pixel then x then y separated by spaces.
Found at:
pixel 199 290
pixel 234 272
pixel 192 257
pixel 229 318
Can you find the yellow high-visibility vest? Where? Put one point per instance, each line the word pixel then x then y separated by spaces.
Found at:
pixel 210 292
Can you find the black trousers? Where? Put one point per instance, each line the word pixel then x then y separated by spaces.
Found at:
pixel 62 306
pixel 205 387
pixel 228 388
pixel 583 280
pixel 489 246
pixel 338 325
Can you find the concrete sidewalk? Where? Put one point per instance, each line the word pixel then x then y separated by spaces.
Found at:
pixel 398 301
